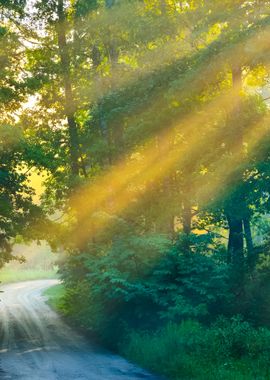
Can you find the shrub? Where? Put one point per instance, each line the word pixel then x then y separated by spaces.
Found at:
pixel 229 349
pixel 142 281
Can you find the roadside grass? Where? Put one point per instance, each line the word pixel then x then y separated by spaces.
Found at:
pixel 8 275
pixel 231 350
pixel 55 297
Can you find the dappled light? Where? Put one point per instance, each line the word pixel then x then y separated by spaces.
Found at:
pixel 146 167
pixel 135 189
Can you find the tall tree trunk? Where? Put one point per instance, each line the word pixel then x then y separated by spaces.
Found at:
pixel 165 186
pixel 103 125
pixel 70 107
pixel 235 251
pixel 186 219
pixel 248 235
pixel 187 188
pixel 249 242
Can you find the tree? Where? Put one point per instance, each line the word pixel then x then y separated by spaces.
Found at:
pixel 17 211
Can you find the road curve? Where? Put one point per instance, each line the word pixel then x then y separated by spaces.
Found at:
pixel 35 344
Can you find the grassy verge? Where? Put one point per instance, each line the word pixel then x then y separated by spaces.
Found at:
pixel 55 297
pixel 8 275
pixel 231 350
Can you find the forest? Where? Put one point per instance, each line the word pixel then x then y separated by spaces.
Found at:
pixel 148 124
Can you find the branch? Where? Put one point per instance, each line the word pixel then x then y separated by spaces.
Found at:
pixel 266 98
pixel 216 233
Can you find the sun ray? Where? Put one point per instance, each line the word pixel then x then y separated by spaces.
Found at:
pixel 147 164
pixel 152 167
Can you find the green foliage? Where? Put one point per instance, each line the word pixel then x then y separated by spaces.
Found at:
pixel 156 152
pixel 110 282
pixel 229 349
pixel 191 284
pixel 55 295
pixel 142 281
pixel 17 210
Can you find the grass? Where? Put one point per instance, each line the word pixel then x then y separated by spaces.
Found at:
pixel 229 351
pixel 8 275
pixel 55 297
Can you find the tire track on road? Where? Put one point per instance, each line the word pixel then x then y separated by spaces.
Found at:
pixel 36 344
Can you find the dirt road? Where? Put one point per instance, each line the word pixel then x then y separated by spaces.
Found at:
pixel 35 344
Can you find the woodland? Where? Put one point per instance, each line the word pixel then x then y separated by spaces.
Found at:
pixel 148 122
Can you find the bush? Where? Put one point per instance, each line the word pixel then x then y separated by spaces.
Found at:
pixel 125 279
pixel 107 287
pixel 126 282
pixel 229 349
pixel 142 281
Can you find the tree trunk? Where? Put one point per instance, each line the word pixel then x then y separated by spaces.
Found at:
pixel 235 252
pixel 248 235
pixel 236 241
pixel 70 107
pixel 249 242
pixel 165 187
pixel 187 215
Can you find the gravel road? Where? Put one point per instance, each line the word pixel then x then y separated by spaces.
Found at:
pixel 35 344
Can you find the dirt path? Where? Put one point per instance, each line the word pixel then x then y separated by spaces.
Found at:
pixel 35 344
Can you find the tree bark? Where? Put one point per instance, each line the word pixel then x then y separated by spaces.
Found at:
pixel 70 107
pixel 236 241
pixel 249 242
pixel 187 216
pixel 248 235
pixel 235 251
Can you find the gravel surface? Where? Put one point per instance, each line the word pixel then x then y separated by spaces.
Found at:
pixel 35 344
